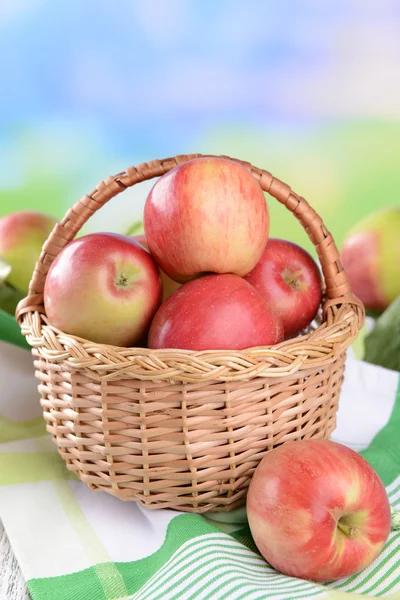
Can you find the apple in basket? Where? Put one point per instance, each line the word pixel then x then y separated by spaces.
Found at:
pixel 169 286
pixel 317 510
pixel 288 278
pixel 22 235
pixel 207 215
pixel 103 287
pixel 215 312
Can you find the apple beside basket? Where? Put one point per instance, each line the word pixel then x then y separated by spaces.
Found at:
pixel 177 428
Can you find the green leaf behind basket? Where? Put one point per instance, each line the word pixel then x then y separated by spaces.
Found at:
pixel 382 345
pixel 10 331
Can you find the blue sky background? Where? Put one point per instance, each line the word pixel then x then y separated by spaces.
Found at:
pixel 309 90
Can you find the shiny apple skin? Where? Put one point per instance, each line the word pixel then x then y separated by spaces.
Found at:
pixel 288 278
pixel 215 312
pixel 296 497
pixel 207 215
pixel 371 257
pixel 105 288
pixel 22 235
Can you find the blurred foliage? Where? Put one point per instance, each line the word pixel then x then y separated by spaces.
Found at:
pixel 382 345
pixel 9 298
pixel 345 169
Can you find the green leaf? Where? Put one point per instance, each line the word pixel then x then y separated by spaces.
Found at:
pixel 382 345
pixel 375 314
pixel 9 298
pixel 10 331
pixel 135 229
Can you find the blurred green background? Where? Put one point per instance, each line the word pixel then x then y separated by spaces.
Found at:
pixel 308 90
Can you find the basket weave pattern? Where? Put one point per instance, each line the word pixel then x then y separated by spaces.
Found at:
pixel 177 428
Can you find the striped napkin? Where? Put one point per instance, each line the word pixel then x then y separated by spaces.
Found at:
pixel 72 543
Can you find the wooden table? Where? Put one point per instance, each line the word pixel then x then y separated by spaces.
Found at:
pixel 12 583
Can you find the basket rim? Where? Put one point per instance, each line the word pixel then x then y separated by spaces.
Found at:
pixel 104 362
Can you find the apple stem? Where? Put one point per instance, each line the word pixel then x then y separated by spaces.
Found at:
pixel 292 278
pixel 348 531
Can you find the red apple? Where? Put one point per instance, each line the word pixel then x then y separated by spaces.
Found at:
pixel 22 235
pixel 215 312
pixel 208 215
pixel 371 257
pixel 103 287
pixel 169 286
pixel 317 510
pixel 288 278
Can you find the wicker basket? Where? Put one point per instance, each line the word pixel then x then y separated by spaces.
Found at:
pixel 176 428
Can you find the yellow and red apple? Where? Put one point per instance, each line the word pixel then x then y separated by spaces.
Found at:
pixel 105 288
pixel 288 278
pixel 215 312
pixel 317 510
pixel 208 215
pixel 22 235
pixel 371 258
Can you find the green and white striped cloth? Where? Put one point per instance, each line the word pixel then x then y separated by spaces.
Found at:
pixel 74 544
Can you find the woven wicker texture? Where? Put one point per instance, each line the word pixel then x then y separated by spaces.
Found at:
pixel 177 428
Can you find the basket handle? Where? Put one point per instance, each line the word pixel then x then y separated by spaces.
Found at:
pixel 337 285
